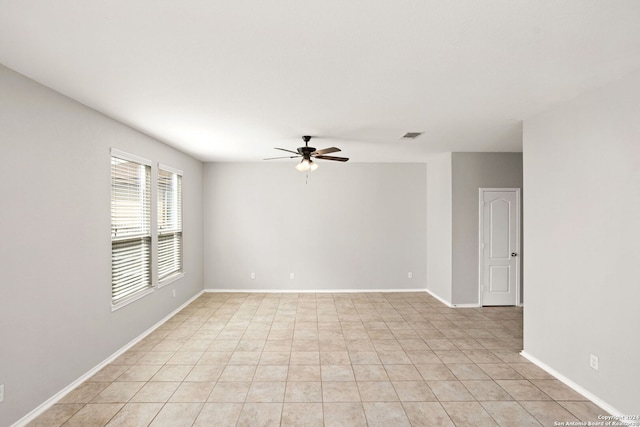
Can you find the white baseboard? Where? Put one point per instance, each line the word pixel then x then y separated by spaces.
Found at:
pixel 595 399
pixel 465 305
pixel 312 291
pixel 62 393
pixel 439 298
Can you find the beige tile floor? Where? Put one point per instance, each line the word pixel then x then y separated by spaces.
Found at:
pixel 329 359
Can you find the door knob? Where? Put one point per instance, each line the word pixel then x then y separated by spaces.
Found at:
pixel 514 254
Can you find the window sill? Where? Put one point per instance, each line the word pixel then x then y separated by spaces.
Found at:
pixel 170 279
pixel 131 299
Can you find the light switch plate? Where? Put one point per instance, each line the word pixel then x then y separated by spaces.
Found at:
pixel 593 361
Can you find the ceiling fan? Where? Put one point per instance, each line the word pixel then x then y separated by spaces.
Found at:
pixel 307 153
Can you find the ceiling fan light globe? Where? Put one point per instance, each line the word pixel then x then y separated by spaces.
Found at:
pixel 313 166
pixel 303 166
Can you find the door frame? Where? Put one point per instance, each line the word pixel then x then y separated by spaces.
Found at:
pixel 481 191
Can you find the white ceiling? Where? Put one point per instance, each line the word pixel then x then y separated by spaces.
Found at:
pixel 230 80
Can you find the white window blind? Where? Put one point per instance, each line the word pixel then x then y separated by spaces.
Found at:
pixel 130 226
pixel 169 222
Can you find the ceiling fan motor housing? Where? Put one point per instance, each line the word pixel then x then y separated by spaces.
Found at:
pixel 306 151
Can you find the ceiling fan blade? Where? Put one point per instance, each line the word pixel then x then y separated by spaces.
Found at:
pixel 288 151
pixel 337 159
pixel 326 151
pixel 285 157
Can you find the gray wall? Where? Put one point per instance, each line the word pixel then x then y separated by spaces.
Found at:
pixel 55 297
pixel 353 226
pixel 582 222
pixel 439 226
pixel 471 171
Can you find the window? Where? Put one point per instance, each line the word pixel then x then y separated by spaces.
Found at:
pixel 169 223
pixel 130 227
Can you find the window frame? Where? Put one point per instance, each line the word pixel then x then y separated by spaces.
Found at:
pixel 178 274
pixel 149 288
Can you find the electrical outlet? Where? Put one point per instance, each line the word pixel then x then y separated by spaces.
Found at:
pixel 593 361
pixel 292 276
pixel 253 275
pixel 174 293
pixel 1 393
pixel 409 275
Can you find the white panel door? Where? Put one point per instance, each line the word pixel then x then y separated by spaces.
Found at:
pixel 499 246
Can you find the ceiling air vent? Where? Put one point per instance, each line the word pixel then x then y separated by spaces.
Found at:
pixel 411 135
